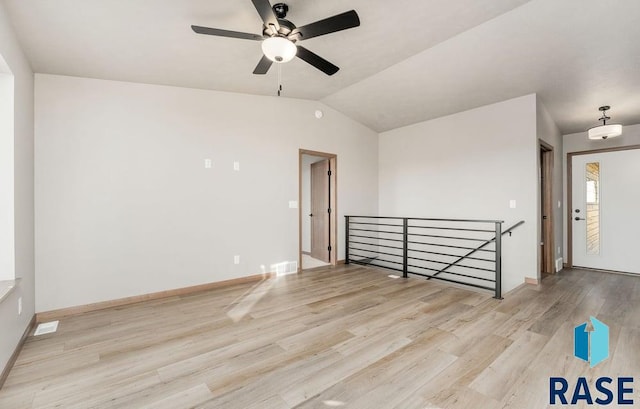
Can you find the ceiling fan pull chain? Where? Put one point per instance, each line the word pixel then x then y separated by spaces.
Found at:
pixel 279 79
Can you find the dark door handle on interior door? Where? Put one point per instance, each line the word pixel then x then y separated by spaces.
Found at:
pixel 578 218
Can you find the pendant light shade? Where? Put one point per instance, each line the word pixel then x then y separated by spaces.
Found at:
pixel 279 49
pixel 605 130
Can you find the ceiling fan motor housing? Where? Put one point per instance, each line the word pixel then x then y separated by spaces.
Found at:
pixel 281 10
pixel 286 27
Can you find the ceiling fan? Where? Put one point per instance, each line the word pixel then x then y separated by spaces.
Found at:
pixel 280 36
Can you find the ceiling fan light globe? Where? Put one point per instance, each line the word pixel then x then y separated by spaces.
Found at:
pixel 279 49
pixel 605 131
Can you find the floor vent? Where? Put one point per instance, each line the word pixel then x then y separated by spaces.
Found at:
pixel 288 267
pixel 559 264
pixel 47 328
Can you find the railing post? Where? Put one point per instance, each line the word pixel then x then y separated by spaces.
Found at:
pixel 498 261
pixel 405 247
pixel 346 240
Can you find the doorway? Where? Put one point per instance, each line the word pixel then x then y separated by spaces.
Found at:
pixel 603 197
pixel 547 244
pixel 317 210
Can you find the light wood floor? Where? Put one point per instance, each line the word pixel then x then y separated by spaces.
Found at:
pixel 345 337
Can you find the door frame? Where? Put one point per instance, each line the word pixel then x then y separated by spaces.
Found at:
pixel 333 203
pixel 546 259
pixel 570 156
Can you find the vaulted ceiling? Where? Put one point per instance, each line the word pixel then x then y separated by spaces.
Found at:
pixel 409 61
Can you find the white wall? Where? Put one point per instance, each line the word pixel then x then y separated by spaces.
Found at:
pixel 7 236
pixel 126 207
pixel 469 165
pixel 307 160
pixel 548 132
pixel 579 142
pixel 12 325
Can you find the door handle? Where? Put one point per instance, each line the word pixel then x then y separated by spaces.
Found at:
pixel 311 215
pixel 578 218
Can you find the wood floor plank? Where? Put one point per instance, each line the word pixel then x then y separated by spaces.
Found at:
pixel 494 381
pixel 392 379
pixel 369 352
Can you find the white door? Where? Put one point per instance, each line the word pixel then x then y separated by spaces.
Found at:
pixel 605 215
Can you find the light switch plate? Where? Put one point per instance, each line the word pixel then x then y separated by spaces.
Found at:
pixel 512 204
pixel 208 163
pixel 293 204
pixel 236 166
pixel 236 259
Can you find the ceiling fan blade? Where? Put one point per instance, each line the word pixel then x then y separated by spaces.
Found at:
pixel 266 13
pixel 226 33
pixel 317 61
pixel 263 66
pixel 329 25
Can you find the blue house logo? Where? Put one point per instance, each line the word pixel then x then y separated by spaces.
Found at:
pixel 591 344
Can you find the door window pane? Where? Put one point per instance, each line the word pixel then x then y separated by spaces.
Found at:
pixel 593 207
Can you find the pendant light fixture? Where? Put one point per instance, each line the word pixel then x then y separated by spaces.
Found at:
pixel 605 130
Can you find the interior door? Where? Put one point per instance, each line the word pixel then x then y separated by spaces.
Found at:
pixel 605 222
pixel 320 223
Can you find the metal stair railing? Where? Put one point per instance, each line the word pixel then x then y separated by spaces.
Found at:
pixel 431 248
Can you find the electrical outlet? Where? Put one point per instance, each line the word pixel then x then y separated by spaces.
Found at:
pixel 236 259
pixel 19 305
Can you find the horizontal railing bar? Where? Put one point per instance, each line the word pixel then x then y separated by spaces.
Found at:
pixel 445 237
pixel 457 265
pixel 426 275
pixel 451 247
pixel 374 244
pixel 384 261
pixel 375 265
pixel 448 255
pixel 455 274
pixel 376 224
pixel 455 281
pixel 429 219
pixel 377 231
pixel 375 251
pixel 377 238
pixel 450 228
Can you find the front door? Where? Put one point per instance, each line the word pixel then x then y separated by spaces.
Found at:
pixel 320 221
pixel 604 217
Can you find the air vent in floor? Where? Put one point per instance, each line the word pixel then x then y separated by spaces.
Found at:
pixel 47 328
pixel 287 267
